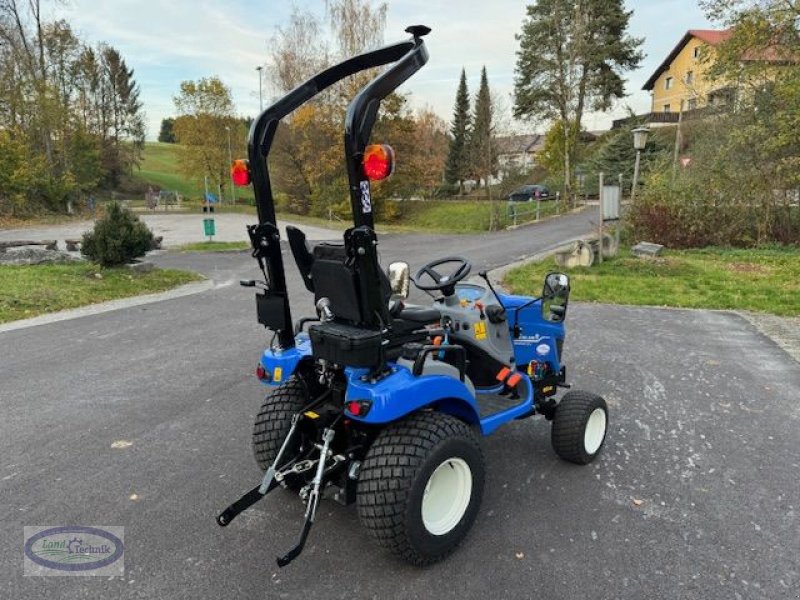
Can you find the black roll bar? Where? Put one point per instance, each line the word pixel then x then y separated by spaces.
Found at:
pixel 409 56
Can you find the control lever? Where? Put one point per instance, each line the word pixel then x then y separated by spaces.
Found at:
pixel 324 310
pixel 485 276
pixel 252 283
pixel 480 307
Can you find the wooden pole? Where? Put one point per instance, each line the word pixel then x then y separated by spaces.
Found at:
pixel 600 225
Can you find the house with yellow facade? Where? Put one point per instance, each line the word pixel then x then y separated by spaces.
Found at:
pixel 681 82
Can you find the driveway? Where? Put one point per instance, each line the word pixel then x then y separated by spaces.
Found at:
pixel 695 495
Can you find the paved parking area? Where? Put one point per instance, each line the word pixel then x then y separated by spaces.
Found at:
pixel 695 495
pixel 177 229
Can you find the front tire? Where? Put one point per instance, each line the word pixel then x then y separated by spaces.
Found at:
pixel 421 485
pixel 579 427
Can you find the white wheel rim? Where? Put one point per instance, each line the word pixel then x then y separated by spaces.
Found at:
pixel 595 431
pixel 446 496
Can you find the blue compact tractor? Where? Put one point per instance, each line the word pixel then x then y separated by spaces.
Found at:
pixel 382 403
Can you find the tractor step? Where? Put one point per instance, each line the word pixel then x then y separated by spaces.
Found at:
pixel 490 404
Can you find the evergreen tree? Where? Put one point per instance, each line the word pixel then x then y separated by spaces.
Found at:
pixel 456 169
pixel 482 153
pixel 167 135
pixel 616 155
pixel 571 58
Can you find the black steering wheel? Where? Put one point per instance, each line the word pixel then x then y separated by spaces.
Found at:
pixel 443 283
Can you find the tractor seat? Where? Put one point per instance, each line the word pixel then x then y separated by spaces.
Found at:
pixel 424 315
pixel 408 325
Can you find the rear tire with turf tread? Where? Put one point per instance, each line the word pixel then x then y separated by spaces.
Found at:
pixel 579 428
pixel 399 472
pixel 274 420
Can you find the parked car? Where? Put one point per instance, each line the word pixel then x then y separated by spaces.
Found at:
pixel 528 193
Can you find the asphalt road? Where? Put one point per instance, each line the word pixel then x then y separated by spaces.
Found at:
pixel 695 495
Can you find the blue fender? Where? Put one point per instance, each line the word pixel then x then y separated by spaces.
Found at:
pixel 401 393
pixel 540 338
pixel 281 364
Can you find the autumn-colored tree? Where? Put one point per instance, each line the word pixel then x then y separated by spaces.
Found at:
pixel 205 112
pixel 429 156
pixel 74 107
pixel 307 159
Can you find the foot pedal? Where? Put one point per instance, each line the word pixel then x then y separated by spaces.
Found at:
pixel 508 377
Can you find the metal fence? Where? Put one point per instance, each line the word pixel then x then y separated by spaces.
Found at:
pixel 517 210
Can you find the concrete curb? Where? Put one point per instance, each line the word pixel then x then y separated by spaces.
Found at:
pixel 103 307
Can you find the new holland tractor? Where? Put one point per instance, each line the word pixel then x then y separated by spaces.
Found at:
pixel 379 402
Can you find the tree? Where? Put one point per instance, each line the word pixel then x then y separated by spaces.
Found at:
pixel 307 155
pixel 481 143
pixel 357 26
pixel 615 155
pixel 427 161
pixel 457 166
pixel 552 155
pixel 117 238
pixel 205 108
pixel 167 133
pixel 571 58
pixel 297 51
pixel 75 107
pixel 482 150
pixel 122 120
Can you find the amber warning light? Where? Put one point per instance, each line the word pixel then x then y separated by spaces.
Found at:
pixel 240 172
pixel 378 161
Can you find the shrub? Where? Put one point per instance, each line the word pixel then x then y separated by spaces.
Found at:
pixel 117 238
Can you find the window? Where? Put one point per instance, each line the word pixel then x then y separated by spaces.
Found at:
pixel 692 103
pixel 696 51
pixel 668 83
pixel 689 76
pixel 666 108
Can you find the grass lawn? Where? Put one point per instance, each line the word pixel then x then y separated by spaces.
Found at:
pixel 213 247
pixel 764 280
pixel 28 291
pixel 160 166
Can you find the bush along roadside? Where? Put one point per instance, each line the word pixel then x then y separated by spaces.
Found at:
pixel 117 238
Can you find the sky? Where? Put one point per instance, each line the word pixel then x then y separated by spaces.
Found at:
pixel 167 42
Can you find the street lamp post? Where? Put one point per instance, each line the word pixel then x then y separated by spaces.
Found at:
pixel 230 162
pixel 260 68
pixel 639 143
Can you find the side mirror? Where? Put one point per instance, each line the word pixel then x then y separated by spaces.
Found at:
pixel 399 279
pixel 555 297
